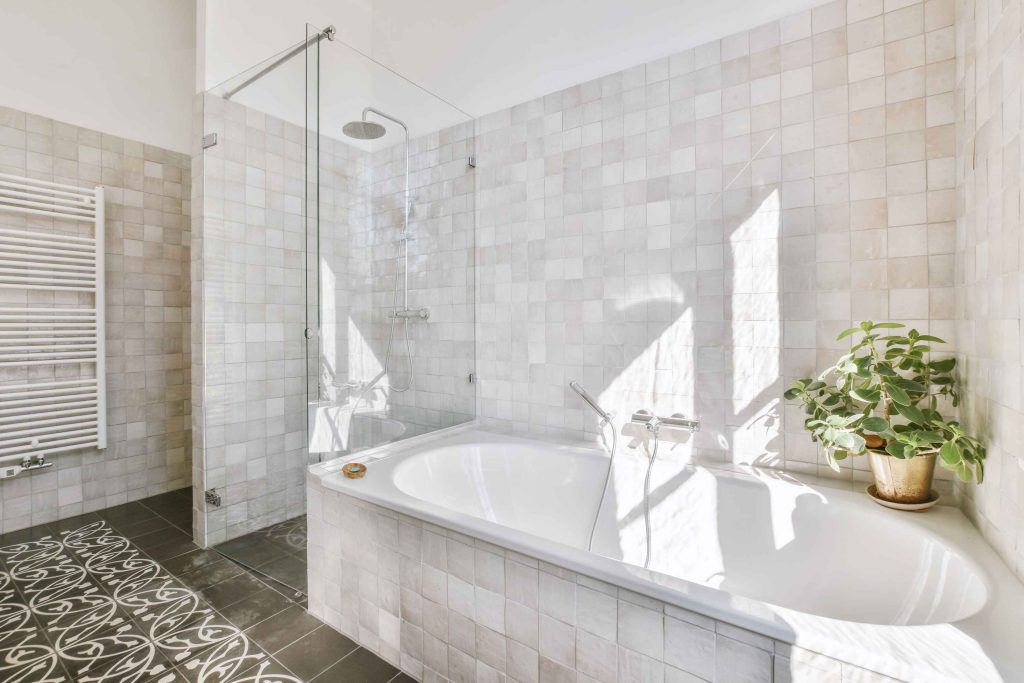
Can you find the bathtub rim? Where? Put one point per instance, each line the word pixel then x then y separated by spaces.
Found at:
pixel 988 628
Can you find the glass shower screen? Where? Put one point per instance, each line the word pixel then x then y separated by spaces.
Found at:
pixel 334 286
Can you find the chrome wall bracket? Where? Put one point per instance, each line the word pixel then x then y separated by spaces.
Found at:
pixel 209 140
pixel 212 498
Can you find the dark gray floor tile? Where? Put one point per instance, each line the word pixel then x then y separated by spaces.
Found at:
pixel 131 530
pixel 289 570
pixel 287 591
pixel 362 666
pixel 178 545
pixel 126 513
pixel 255 608
pixel 26 535
pixel 250 550
pixel 315 652
pixel 190 561
pixel 283 629
pixel 235 589
pixel 72 523
pixel 210 574
pixel 161 537
pixel 169 503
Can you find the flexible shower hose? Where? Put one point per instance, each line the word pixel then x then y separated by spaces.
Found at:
pixel 607 476
pixel 647 497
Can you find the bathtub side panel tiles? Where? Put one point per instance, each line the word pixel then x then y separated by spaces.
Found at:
pixel 446 607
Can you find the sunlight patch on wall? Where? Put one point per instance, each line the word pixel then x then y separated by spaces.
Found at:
pixel 756 325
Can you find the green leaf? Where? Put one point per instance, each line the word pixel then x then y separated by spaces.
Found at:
pixel 944 365
pixel 963 472
pixel 910 385
pixel 896 449
pixel 791 394
pixel 897 394
pixel 885 370
pixel 912 413
pixel 830 457
pixel 930 338
pixel 874 424
pixel 866 395
pixel 950 453
pixel 846 333
pixel 888 326
pixel 850 442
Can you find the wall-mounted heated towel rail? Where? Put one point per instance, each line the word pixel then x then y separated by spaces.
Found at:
pixel 52 355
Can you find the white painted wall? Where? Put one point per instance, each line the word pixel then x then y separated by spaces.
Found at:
pixel 121 67
pixel 242 33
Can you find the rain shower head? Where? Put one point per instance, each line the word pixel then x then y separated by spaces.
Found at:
pixel 363 130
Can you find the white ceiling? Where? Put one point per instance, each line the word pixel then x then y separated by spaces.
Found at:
pixel 479 55
pixel 485 55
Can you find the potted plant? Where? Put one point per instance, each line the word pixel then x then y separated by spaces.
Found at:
pixel 883 398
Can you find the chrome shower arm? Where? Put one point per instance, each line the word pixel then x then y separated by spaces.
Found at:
pixel 378 112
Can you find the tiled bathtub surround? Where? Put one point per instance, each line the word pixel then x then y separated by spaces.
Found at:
pixel 147 307
pixel 445 607
pixel 690 234
pixel 989 268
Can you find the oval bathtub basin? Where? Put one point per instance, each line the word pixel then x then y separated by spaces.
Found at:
pixel 767 538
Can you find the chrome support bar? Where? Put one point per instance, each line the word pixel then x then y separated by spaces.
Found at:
pixel 327 33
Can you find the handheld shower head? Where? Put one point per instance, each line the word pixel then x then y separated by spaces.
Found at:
pixel 601 412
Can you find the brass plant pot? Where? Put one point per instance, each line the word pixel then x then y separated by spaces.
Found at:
pixel 903 480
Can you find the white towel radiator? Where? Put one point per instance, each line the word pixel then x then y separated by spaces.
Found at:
pixel 52 351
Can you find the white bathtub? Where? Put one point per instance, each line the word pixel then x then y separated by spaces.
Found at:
pixel 822 568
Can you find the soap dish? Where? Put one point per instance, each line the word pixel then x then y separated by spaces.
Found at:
pixel 933 498
pixel 354 470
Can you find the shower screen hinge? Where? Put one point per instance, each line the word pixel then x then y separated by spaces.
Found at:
pixel 209 140
pixel 471 162
pixel 212 498
pixel 471 378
